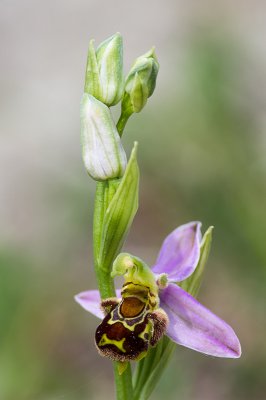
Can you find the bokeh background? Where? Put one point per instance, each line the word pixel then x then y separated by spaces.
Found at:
pixel 202 156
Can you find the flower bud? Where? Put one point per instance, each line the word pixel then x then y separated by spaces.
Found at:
pixel 104 73
pixel 140 82
pixel 102 150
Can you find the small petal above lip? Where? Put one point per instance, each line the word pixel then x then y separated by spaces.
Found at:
pixel 90 300
pixel 194 326
pixel 179 254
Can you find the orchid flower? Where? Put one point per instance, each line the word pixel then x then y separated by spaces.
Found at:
pixel 190 323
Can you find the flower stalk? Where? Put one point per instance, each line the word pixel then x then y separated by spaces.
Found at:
pixel 123 383
pixel 155 309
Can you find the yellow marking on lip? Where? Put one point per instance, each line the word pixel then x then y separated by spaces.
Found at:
pixel 148 330
pixel 118 343
pixel 129 327
pixel 123 321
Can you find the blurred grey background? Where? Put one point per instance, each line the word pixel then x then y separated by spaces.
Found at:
pixel 202 156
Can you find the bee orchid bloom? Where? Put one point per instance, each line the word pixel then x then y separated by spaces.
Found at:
pixel 190 323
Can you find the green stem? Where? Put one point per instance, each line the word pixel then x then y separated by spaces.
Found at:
pixel 104 280
pixel 124 390
pixel 149 372
pixel 122 122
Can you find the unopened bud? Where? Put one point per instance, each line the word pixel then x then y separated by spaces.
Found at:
pixel 102 150
pixel 140 82
pixel 104 73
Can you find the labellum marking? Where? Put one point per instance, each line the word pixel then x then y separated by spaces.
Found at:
pixel 131 325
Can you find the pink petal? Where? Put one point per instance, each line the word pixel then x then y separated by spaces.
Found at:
pixel 194 326
pixel 179 254
pixel 90 300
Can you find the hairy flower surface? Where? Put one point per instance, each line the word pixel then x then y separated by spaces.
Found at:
pixel 190 323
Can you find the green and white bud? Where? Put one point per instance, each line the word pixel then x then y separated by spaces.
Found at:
pixel 102 150
pixel 140 82
pixel 104 73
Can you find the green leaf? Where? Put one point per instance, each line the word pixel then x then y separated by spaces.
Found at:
pixel 148 374
pixel 119 214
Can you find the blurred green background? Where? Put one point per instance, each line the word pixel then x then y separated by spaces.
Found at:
pixel 201 154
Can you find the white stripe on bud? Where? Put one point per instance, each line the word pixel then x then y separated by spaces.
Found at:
pixel 102 150
pixel 104 74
